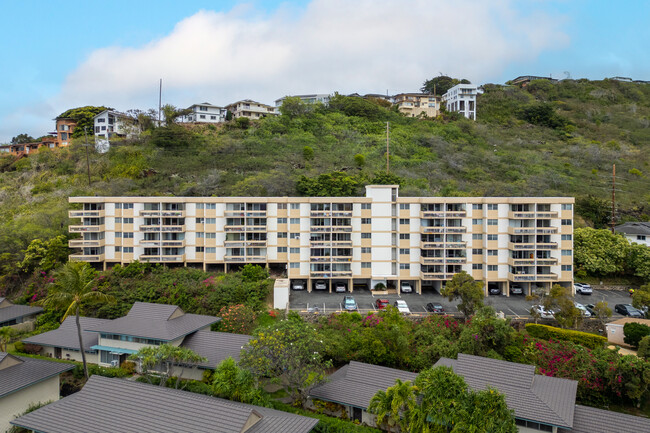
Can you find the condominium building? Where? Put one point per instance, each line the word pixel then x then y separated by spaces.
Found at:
pixel 462 99
pixel 205 113
pixel 417 104
pixel 251 109
pixel 379 238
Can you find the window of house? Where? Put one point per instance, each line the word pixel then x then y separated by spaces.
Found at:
pixel 282 249
pixel 213 117
pixel 294 265
pixel 404 206
pixel 404 251
pixel 282 205
pixel 200 220
pixel 477 221
pixel 118 249
pixel 567 252
pixel 492 222
pixel 200 235
pixel 127 235
pixel 365 265
pixel 203 108
pixel 127 250
pixel 210 250
pixel 294 250
pixel 199 206
pixel 492 252
pixel 492 237
pixel 477 251
pixel 477 237
pixel 566 206
pixel 567 222
pixel 282 235
pixel 567 237
pixel 127 220
pixel 200 249
pixel 365 220
pixel 295 205
pixel 404 221
pixel 365 250
pixel 295 221
pixel 294 236
pixel 201 116
pixel 567 268
pixel 366 205
pixel 127 205
pixel 118 234
pixel 282 220
pixel 366 235
pixel 477 206
pixel 210 220
pixel 211 206
pixel 477 266
pixel 493 268
pixel 640 237
pixel 405 236
pixel 211 235
pixel 493 206
pixel 405 266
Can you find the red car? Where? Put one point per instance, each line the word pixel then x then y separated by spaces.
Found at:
pixel 381 303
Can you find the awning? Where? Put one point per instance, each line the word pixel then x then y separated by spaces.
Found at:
pixel 114 349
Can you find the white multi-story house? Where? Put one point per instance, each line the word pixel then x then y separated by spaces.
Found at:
pixel 638 232
pixel 205 113
pixel 462 99
pixel 323 98
pixel 379 238
pixel 110 124
pixel 251 109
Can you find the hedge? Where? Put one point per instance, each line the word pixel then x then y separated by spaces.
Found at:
pixel 327 424
pixel 592 341
pixel 634 332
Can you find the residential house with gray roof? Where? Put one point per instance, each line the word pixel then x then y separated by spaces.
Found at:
pixel 11 314
pixel 25 382
pixel 106 404
pixel 638 232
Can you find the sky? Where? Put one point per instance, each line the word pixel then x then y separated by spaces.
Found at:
pixel 61 55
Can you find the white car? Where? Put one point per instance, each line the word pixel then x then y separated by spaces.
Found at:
pixel 583 309
pixel 406 287
pixel 543 313
pixel 583 289
pixel 402 307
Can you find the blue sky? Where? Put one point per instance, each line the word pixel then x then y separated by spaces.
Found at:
pixel 62 55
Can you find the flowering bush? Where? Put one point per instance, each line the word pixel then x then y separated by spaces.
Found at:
pixel 237 319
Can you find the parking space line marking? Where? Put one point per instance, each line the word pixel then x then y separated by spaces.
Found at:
pixel 513 312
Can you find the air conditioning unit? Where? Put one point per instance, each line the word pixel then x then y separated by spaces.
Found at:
pixel 115 363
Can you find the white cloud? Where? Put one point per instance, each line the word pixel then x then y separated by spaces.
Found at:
pixel 330 45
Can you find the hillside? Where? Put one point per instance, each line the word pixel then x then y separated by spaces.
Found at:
pixel 547 139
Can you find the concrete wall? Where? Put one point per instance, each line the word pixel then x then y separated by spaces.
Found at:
pixel 18 402
pixel 615 334
pixel 71 355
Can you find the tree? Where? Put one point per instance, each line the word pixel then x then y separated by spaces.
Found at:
pixel 560 301
pixel 237 319
pixel 639 261
pixel 22 139
pixel 293 106
pixel 441 84
pixel 171 114
pixel 602 312
pixel 389 405
pixel 45 255
pixel 470 292
pixel 73 288
pixel 237 384
pixel 83 116
pixel 165 361
pixel 6 334
pixel 599 252
pixel 334 184
pixel 594 209
pixel 641 298
pixel 308 153
pixel 290 352
pixel 644 348
pixel 634 332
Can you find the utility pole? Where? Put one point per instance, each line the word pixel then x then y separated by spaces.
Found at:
pixel 387 146
pixel 159 101
pixel 87 157
pixel 613 197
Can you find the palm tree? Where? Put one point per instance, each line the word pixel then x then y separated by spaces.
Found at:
pixel 389 406
pixel 6 332
pixel 73 288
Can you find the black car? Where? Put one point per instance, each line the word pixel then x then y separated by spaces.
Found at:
pixel 434 307
pixel 494 291
pixel 628 310
pixel 591 308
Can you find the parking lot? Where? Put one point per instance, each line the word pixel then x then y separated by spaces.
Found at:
pixel 513 306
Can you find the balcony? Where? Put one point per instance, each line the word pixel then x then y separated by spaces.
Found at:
pixel 342 213
pixel 432 214
pixel 330 213
pixel 320 243
pixel 547 262
pixel 521 277
pixel 456 230
pixel 161 258
pixel 546 214
pixel 432 260
pixel 319 229
pixel 330 274
pixel 172 229
pixel 546 230
pixel 80 243
pixel 341 229
pixel 256 228
pixel 521 230
pixel 546 277
pixel 459 260
pixel 521 246
pixel 425 229
pixel 320 259
pixel 433 276
pixel 162 213
pixel 547 245
pixel 521 215
pixel 238 228
pixel 240 244
pixel 85 213
pixel 521 262
pixel 86 257
pixel 456 214
pixel 341 259
pixel 245 259
pixel 454 245
pixel 433 245
pixel 341 243
pixel 86 229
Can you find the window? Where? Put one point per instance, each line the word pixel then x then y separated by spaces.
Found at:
pixel 118 234
pixel 477 237
pixel 405 266
pixel 492 237
pixel 282 249
pixel 477 251
pixel 118 205
pixel 128 250
pixel 282 205
pixel 213 117
pixel 101 120
pixel 118 220
pixel 127 220
pixel 203 108
pixel 567 222
pixel 199 205
pixel 211 206
pixel 294 265
pixel 493 268
pixel 492 222
pixel 567 206
pixel 200 220
pixel 404 251
pixel 211 235
pixel 211 250
pixel 567 237
pixel 640 237
pixel 294 250
pixel 477 206
pixel 492 252
pixel 493 206
pixel 365 250
pixel 366 235
pixel 404 236
pixel 404 206
pixel 210 220
pixel 127 235
pixel 200 235
pixel 567 268
pixel 294 236
pixel 365 265
pixel 118 249
pixel 295 220
pixel 477 221
pixel 365 220
pixel 567 252
pixel 282 220
pixel 404 221
pixel 201 116
pixel 477 266
pixel 282 235
pixel 295 205
pixel 366 205
pixel 127 206
pixel 200 249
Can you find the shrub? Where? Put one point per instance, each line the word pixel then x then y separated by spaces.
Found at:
pixel 586 339
pixel 634 332
pixel 644 348
pixel 237 319
pixel 19 346
pixel 128 367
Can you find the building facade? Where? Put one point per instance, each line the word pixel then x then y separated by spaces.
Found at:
pixel 64 129
pixel 251 109
pixel 205 113
pixel 637 232
pixel 462 99
pixel 379 238
pixel 323 98
pixel 26 148
pixel 417 104
pixel 110 124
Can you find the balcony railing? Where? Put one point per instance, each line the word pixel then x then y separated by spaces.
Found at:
pixel 521 262
pixel 330 213
pixel 425 229
pixel 546 245
pixel 80 243
pixel 456 260
pixel 521 215
pixel 245 259
pixel 453 245
pixel 456 229
pixel 234 228
pixel 330 274
pixel 341 229
pixel 521 277
pixel 86 229
pixel 431 260
pixel 85 213
pixel 341 259
pixel 433 245
pixel 86 257
pixel 521 245
pixel 456 214
pixel 546 230
pixel 433 276
pixel 521 230
pixel 341 243
pixel 432 214
pixel 163 213
pixel 547 262
pixel 546 277
pixel 546 214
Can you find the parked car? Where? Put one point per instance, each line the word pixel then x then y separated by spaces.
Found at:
pixel 349 303
pixel 406 287
pixel 591 308
pixel 434 307
pixel 320 285
pixel 583 310
pixel 402 307
pixel 543 313
pixel 340 287
pixel 494 290
pixel 381 303
pixel 583 289
pixel 628 310
pixel 298 285
pixel 516 289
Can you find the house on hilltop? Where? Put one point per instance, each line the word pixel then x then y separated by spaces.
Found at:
pixel 110 124
pixel 250 109
pixel 638 232
pixel 205 113
pixel 462 99
pixel 417 104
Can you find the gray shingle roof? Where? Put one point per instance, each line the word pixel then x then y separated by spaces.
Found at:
pixel 17 311
pixel 534 397
pixel 356 383
pixel 634 228
pixel 66 334
pixel 27 372
pixel 106 404
pixel 592 420
pixel 156 321
pixel 216 346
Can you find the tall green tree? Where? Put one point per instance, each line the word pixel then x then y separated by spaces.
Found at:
pixel 470 292
pixel 73 288
pixel 641 298
pixel 599 252
pixel 561 302
pixel 164 362
pixel 22 139
pixel 45 255
pixel 390 405
pixel 440 84
pixel 6 333
pixel 237 384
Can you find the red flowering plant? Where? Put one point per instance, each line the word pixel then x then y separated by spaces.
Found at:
pixel 237 319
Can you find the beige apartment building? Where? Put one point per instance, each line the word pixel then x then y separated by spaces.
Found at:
pixel 359 241
pixel 416 104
